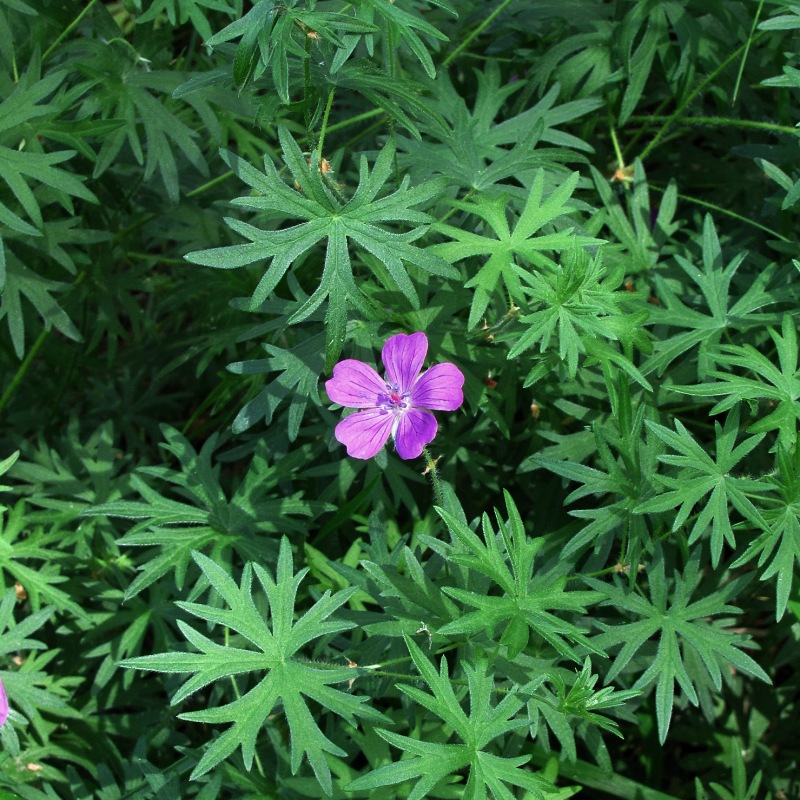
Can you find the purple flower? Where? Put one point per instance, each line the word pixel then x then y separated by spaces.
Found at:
pixel 3 705
pixel 395 405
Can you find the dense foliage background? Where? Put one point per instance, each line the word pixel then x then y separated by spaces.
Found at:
pixel 590 208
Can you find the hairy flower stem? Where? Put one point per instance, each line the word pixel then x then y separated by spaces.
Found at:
pixel 432 470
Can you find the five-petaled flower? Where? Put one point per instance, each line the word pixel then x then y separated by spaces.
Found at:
pixel 3 705
pixel 397 406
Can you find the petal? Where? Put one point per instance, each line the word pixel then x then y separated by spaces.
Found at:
pixel 355 385
pixel 403 356
pixel 365 432
pixel 3 705
pixel 439 388
pixel 415 430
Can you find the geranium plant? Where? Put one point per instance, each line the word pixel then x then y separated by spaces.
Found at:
pixel 399 399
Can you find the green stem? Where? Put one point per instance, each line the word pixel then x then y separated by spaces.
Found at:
pixel 307 92
pixel 476 32
pixel 66 32
pixel 727 212
pixel 696 91
pixel 324 126
pixel 617 151
pixel 431 469
pixel 641 132
pixel 746 51
pixel 204 187
pixel 723 121
pixel 23 368
pixel 337 126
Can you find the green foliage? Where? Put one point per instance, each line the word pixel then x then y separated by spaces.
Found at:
pixel 691 649
pixel 526 603
pixel 430 763
pixel 210 520
pixel 507 245
pixel 589 582
pixel 702 479
pixel 779 383
pixel 288 680
pixel 328 216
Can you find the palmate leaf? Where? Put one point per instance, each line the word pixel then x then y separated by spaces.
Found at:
pixel 508 250
pixel 24 166
pixel 429 763
pixel 29 556
pixel 781 539
pixel 623 479
pixel 779 383
pixel 642 238
pixel 21 282
pixel 473 150
pixel 683 629
pixel 706 482
pixel 271 32
pixel 121 85
pixel 337 222
pixel 179 12
pixel 701 327
pixel 31 178
pixel 31 689
pixel 401 26
pixel 526 602
pixel 299 369
pixel 210 519
pixel 267 647
pixel 580 304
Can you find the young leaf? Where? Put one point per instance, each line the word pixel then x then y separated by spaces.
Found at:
pixel 579 303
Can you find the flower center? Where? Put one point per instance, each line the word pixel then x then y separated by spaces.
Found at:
pixel 395 400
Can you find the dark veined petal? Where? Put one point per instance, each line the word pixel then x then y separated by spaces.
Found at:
pixel 355 385
pixel 439 388
pixel 415 430
pixel 403 356
pixel 365 432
